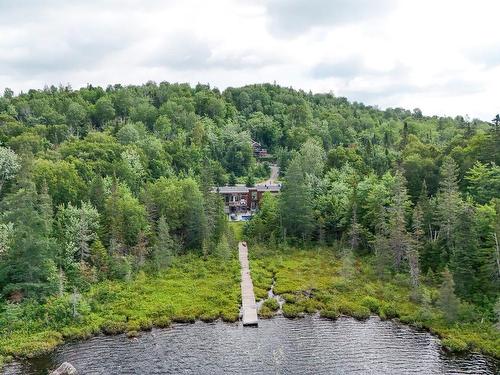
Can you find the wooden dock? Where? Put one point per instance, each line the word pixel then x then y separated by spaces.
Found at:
pixel 249 306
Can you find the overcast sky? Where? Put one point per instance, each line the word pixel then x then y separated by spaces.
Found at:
pixel 442 56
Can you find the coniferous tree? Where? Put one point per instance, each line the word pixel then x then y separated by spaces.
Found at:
pixel 9 165
pixel 413 253
pixel 232 179
pixel 296 205
pixel 448 203
pixel 463 260
pixel 195 218
pixel 99 258
pixel 399 239
pixel 384 259
pixel 448 301
pixel 164 248
pixel 27 269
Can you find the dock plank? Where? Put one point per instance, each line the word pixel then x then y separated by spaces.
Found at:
pixel 249 307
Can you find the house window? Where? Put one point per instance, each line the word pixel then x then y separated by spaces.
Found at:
pixel 254 195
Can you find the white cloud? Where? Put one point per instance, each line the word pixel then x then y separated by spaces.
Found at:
pixel 441 56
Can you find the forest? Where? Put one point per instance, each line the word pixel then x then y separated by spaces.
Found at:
pixel 108 185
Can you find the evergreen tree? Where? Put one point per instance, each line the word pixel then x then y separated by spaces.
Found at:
pixel 27 269
pixel 463 261
pixel 448 302
pixel 163 250
pixel 413 253
pixel 99 258
pixel 448 203
pixel 195 218
pixel 399 239
pixel 223 250
pixel 232 179
pixel 296 205
pixel 250 181
pixel 384 258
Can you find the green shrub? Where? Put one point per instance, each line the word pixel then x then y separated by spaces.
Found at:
pixel 145 324
pixel 310 305
pixel 260 293
pixel 230 315
pixel 184 318
pixel 354 310
pixel 113 327
pixel 373 304
pixel 209 317
pixel 265 312
pixel 454 345
pixel 133 325
pixel 272 304
pixel 388 311
pixel 289 297
pixel 292 311
pixel 162 322
pixel 329 313
pixel 132 334
pixel 80 332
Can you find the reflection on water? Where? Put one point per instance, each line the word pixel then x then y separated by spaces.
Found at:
pixel 279 346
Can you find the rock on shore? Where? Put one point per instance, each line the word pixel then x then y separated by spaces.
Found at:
pixel 65 369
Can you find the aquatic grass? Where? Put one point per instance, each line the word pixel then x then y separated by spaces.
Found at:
pixel 272 304
pixel 191 289
pixel 454 345
pixel 311 280
pixel 373 304
pixel 265 312
pixel 330 312
pixel 293 311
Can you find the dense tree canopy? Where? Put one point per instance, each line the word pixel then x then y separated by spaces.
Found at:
pixel 96 183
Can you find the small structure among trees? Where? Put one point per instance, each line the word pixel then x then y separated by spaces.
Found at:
pixel 244 200
pixel 258 150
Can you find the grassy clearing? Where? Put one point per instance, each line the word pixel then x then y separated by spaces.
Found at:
pixel 312 281
pixel 191 289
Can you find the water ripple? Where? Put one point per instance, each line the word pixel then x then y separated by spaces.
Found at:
pixel 279 346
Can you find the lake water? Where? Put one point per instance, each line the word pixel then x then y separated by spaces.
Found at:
pixel 278 346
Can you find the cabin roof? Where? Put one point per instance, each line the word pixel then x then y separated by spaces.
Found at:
pixel 245 189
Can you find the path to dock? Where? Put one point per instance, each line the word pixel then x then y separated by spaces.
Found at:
pixel 247 296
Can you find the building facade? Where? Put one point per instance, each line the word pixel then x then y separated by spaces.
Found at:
pixel 243 201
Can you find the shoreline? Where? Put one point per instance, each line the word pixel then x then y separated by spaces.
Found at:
pixel 209 290
pixel 449 352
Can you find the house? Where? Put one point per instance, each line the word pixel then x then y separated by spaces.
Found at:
pixel 241 202
pixel 258 150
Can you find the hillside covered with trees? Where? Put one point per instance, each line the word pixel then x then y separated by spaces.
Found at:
pixel 101 184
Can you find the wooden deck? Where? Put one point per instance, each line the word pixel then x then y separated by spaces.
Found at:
pixel 247 296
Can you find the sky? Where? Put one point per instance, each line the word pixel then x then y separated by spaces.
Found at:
pixel 442 56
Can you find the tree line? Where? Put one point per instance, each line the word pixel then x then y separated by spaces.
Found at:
pixel 99 183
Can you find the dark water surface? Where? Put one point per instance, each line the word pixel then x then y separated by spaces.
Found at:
pixel 279 346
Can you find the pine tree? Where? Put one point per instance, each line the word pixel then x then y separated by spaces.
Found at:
pixel 99 258
pixel 164 247
pixel 413 253
pixel 296 205
pixel 195 219
pixel 232 179
pixel 223 250
pixel 399 238
pixel 355 230
pixel 28 268
pixel 448 302
pixel 448 203
pixel 463 261
pixel 250 181
pixel 383 256
pixel 45 207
